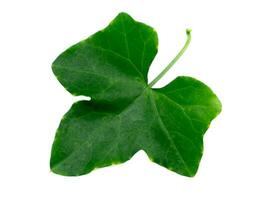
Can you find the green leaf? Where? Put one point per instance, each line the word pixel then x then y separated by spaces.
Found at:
pixel 125 114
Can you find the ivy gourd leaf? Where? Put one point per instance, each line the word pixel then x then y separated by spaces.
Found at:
pixel 125 114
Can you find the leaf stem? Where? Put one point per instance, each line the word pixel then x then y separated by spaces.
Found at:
pixel 181 52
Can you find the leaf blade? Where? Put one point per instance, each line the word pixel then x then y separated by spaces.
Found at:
pixel 124 114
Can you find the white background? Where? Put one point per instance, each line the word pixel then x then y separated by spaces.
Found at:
pixel 228 53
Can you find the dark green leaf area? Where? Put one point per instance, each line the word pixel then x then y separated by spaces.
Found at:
pixel 125 115
pixel 168 124
pixel 110 66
